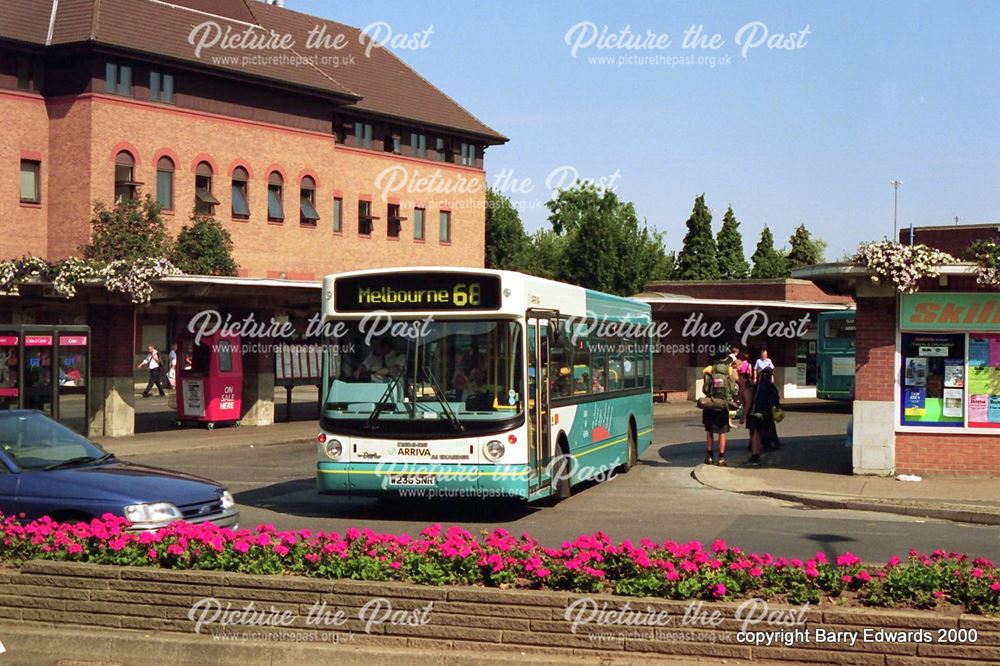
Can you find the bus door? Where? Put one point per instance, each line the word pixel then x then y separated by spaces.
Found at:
pixel 540 449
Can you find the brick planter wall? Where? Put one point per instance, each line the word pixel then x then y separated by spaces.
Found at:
pixel 70 596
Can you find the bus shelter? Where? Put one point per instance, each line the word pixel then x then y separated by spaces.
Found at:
pixel 46 368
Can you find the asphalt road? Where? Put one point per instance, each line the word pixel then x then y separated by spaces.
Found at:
pixel 658 499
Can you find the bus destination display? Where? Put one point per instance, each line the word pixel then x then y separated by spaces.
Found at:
pixel 416 292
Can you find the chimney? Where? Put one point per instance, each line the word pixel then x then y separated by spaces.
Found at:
pixel 276 3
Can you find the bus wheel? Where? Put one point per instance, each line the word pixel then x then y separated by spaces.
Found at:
pixel 632 449
pixel 561 472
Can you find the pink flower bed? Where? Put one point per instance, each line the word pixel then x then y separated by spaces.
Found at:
pixel 590 563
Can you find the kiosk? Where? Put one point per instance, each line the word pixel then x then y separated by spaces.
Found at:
pixel 209 380
pixel 46 368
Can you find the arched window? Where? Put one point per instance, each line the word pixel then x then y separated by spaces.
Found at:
pixel 275 186
pixel 165 183
pixel 124 177
pixel 241 195
pixel 307 206
pixel 204 201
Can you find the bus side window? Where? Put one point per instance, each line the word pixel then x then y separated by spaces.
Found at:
pixel 561 362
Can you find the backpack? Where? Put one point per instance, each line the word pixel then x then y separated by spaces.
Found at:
pixel 718 387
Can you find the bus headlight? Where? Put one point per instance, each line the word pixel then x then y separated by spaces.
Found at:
pixel 493 449
pixel 333 448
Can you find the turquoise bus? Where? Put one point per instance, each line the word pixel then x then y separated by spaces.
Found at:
pixel 835 355
pixel 449 382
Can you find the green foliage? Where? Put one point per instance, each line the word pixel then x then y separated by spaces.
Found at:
pixel 732 262
pixel 204 248
pixel 131 230
pixel 505 237
pixel 803 250
pixel 768 263
pixel 542 254
pixel 605 247
pixel 698 259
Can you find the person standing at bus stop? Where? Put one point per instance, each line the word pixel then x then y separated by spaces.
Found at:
pixel 152 361
pixel 718 385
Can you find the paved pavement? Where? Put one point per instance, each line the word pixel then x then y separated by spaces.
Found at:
pixel 271 472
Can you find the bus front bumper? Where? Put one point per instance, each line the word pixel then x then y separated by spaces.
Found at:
pixel 423 480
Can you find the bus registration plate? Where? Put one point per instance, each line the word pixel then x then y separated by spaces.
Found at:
pixel 412 480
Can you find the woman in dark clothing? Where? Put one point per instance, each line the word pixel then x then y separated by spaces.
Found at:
pixel 745 384
pixel 760 419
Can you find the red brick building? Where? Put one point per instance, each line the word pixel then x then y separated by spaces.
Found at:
pixel 310 164
pixel 927 375
pixel 317 158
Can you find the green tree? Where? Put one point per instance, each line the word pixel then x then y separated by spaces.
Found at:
pixel 605 247
pixel 204 248
pixel 542 254
pixel 803 250
pixel 131 230
pixel 697 259
pixel 768 263
pixel 505 237
pixel 732 262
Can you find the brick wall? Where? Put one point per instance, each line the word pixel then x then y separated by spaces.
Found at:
pixel 875 349
pixel 71 597
pixel 112 330
pixel 24 227
pixel 88 132
pixel 948 455
pixel 953 240
pixel 768 290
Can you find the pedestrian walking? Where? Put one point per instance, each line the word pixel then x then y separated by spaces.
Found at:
pixel 744 383
pixel 762 363
pixel 719 388
pixel 763 431
pixel 172 366
pixel 152 361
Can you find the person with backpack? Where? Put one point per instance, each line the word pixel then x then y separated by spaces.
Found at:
pixel 760 420
pixel 719 389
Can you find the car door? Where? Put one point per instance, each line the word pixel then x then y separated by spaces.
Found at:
pixel 10 481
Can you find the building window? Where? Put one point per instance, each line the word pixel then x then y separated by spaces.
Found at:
pixel 393 143
pixel 444 230
pixel 366 221
pixel 125 185
pixel 241 194
pixel 31 190
pixel 394 226
pixel 275 187
pixel 307 202
pixel 440 147
pixel 29 73
pixel 338 215
pixel 418 224
pixel 165 183
pixel 363 135
pixel 469 154
pixel 161 87
pixel 118 79
pixel 418 145
pixel 204 201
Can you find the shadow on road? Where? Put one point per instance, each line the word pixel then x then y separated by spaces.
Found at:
pixel 820 453
pixel 299 498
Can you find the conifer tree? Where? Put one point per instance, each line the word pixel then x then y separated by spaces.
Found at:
pixel 732 262
pixel 697 259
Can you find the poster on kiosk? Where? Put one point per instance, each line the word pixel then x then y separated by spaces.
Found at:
pixel 209 380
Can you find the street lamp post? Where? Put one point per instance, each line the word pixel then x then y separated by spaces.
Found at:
pixel 895 200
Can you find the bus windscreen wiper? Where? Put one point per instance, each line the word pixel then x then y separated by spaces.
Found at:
pixel 373 417
pixel 443 399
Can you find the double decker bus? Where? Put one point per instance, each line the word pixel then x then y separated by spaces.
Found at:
pixel 835 355
pixel 478 383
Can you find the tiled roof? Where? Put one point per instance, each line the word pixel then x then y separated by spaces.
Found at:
pixel 380 84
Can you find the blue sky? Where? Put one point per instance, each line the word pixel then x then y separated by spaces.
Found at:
pixel 877 91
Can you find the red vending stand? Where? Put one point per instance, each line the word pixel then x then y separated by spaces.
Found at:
pixel 209 380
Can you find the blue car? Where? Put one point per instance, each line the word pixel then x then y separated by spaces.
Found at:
pixel 48 470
